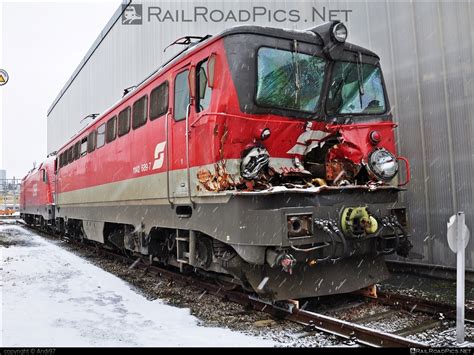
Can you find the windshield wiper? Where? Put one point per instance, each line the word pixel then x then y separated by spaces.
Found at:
pixel 360 78
pixel 297 70
pixel 341 84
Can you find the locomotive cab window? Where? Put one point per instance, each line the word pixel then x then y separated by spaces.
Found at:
pixel 44 176
pixel 139 112
pixel 204 92
pixel 289 80
pixel 159 101
pixel 124 122
pixel 181 95
pixel 356 88
pixel 91 142
pixel 100 136
pixel 111 131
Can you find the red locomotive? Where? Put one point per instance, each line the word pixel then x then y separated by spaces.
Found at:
pixel 37 194
pixel 262 156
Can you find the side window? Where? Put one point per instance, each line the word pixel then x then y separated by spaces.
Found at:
pixel 124 122
pixel 77 150
pixel 181 95
pixel 61 160
pixel 45 177
pixel 101 135
pixel 70 155
pixel 203 92
pixel 159 101
pixel 84 146
pixel 111 132
pixel 91 142
pixel 139 112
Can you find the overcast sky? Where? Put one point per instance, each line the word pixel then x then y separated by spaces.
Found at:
pixel 41 44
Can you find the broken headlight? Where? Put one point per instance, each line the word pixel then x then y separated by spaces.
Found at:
pixel 254 162
pixel 382 164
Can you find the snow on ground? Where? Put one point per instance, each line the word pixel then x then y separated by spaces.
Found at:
pixel 51 297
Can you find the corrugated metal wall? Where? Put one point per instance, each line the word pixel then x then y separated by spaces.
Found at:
pixel 427 51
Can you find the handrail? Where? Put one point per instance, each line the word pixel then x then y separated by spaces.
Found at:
pixel 306 250
pixel 188 168
pixel 407 167
pixel 293 120
pixel 167 159
pixel 238 116
pixel 362 125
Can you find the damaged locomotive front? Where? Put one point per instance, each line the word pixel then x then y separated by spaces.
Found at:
pixel 309 143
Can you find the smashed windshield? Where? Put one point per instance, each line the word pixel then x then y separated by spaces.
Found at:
pixel 289 80
pixel 355 89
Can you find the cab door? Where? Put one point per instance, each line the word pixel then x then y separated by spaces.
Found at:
pixel 179 139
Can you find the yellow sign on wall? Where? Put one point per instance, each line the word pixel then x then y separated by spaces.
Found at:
pixel 3 77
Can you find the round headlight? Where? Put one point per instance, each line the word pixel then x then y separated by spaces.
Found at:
pixel 382 164
pixel 339 32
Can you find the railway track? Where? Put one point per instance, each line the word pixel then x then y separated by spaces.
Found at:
pixel 414 304
pixel 290 309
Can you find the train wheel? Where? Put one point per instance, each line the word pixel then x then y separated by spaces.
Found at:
pixel 204 252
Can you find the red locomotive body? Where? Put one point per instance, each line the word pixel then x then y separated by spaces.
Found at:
pixel 264 156
pixel 37 193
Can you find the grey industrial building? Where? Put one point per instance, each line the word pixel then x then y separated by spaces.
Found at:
pixel 427 54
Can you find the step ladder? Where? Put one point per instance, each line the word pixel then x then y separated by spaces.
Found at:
pixel 182 246
pixel 185 247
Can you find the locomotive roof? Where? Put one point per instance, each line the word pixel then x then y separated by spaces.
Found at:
pixel 301 35
pixel 291 34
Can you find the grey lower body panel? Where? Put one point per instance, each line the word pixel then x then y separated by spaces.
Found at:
pixel 254 220
pixel 254 224
pixel 47 212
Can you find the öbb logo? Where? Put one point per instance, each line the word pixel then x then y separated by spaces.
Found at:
pixel 159 155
